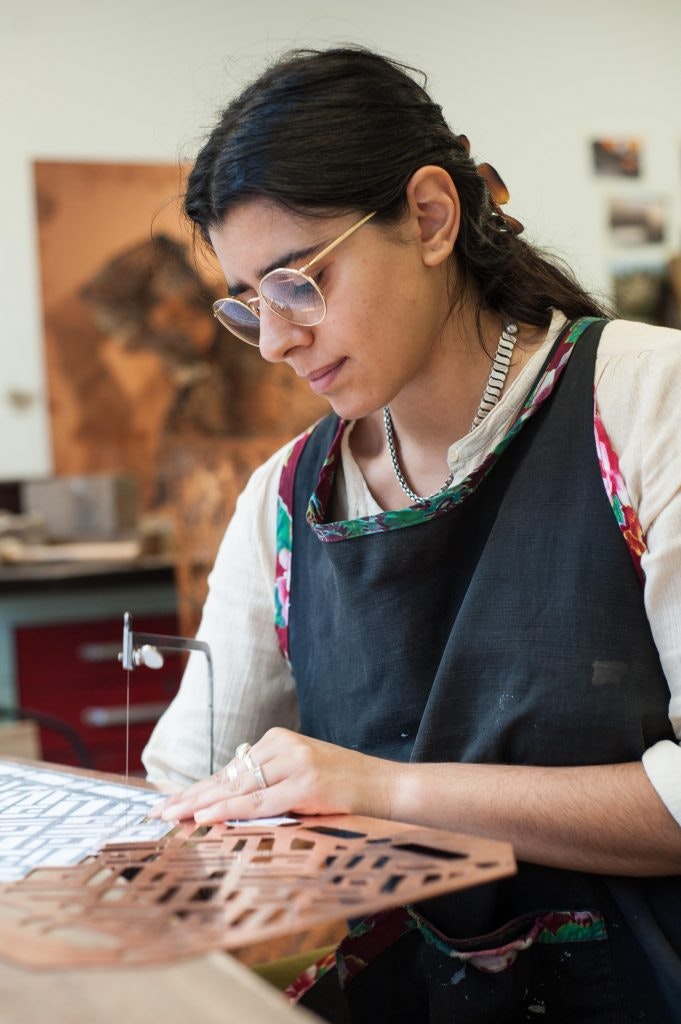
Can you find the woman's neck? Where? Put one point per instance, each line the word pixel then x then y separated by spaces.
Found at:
pixel 436 408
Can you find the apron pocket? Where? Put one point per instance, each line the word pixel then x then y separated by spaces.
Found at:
pixel 548 967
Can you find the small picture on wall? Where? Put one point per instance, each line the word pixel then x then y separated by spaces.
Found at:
pixel 617 158
pixel 637 220
pixel 637 290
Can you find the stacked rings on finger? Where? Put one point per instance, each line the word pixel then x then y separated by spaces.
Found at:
pixel 242 754
pixel 227 774
pixel 256 770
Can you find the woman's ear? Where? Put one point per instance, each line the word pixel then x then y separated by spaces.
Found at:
pixel 435 208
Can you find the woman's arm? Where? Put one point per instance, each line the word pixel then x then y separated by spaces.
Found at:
pixel 254 687
pixel 638 392
pixel 604 818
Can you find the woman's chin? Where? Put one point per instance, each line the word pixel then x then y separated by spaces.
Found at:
pixel 351 407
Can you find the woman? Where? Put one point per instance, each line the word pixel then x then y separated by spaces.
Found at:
pixel 473 565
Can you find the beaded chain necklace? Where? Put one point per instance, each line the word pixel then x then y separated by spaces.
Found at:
pixel 490 397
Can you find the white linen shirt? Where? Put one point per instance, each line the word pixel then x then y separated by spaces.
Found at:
pixel 638 393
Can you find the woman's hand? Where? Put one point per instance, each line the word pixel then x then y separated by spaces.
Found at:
pixel 300 776
pixel 597 818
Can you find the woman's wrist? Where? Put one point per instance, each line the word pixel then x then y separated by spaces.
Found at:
pixel 401 791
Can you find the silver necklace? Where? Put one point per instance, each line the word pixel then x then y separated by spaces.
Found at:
pixel 490 397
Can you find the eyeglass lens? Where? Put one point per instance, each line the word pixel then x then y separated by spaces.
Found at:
pixel 293 296
pixel 288 293
pixel 238 319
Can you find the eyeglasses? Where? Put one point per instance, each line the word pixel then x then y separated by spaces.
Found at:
pixel 291 294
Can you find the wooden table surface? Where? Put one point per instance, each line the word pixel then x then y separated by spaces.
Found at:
pixel 212 989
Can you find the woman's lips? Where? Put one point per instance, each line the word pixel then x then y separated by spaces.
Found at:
pixel 321 380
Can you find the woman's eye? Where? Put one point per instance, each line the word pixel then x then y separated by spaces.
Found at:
pixel 304 287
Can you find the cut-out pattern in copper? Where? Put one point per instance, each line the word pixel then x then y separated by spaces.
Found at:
pixel 227 887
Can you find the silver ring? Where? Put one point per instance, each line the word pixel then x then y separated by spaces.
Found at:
pixel 258 776
pixel 256 771
pixel 242 750
pixel 228 773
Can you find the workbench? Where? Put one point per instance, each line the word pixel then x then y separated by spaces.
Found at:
pixel 139 929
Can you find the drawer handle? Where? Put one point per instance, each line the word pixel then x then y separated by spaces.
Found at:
pixel 98 651
pixel 100 718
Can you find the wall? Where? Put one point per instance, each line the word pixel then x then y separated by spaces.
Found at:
pixel 529 82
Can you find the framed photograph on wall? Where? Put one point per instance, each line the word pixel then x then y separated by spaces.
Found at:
pixel 616 157
pixel 638 288
pixel 637 220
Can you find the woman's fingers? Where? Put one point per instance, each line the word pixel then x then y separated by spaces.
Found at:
pixel 214 805
pixel 258 803
pixel 190 805
pixel 243 775
pixel 283 772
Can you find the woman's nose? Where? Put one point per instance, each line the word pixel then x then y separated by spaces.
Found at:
pixel 278 336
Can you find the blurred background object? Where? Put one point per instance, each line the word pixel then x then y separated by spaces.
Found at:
pixel 670 295
pixel 144 384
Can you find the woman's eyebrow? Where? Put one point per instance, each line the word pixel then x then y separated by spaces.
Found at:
pixel 294 256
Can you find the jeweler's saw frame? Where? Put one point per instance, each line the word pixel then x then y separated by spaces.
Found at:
pixel 145 649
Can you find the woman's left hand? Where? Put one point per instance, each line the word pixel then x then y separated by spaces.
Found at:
pixel 300 776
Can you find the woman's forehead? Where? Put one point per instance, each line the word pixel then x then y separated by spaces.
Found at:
pixel 261 218
pixel 258 235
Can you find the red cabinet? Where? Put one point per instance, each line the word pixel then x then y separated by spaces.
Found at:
pixel 71 672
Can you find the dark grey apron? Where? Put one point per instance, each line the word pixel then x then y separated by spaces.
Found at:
pixel 508 630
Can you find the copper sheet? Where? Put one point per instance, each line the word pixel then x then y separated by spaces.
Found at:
pixel 226 887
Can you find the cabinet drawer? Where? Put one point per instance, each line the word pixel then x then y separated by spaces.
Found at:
pixel 72 673
pixel 83 653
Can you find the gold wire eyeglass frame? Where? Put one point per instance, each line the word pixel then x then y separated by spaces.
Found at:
pixel 252 306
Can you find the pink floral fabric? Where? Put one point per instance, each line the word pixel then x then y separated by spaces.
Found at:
pixel 618 496
pixel 297 989
pixel 284 543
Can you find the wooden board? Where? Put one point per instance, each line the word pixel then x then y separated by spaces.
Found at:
pixel 141 377
pixel 19 739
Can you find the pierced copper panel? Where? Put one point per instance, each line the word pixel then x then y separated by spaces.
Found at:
pixel 227 887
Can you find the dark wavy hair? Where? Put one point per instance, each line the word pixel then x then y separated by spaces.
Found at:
pixel 342 130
